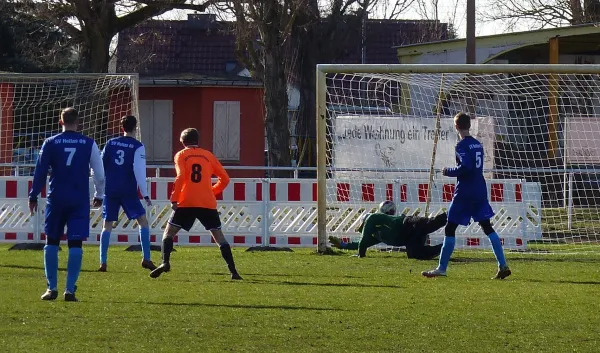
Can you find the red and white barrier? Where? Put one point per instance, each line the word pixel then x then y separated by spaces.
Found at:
pixel 294 190
pixel 282 212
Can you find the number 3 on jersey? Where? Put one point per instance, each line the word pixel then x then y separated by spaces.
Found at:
pixel 196 173
pixel 121 159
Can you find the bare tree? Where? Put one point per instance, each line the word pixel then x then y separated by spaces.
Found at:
pixel 542 13
pixel 387 9
pixel 263 31
pixel 92 24
pixel 434 10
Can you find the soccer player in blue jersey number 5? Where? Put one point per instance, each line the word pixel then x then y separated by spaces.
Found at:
pixel 470 199
pixel 124 160
pixel 68 156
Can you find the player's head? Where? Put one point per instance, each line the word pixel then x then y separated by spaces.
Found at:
pixel 190 137
pixel 128 123
pixel 69 117
pixel 387 207
pixel 462 121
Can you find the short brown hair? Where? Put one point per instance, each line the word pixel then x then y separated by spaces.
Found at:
pixel 190 136
pixel 69 116
pixel 129 123
pixel 462 121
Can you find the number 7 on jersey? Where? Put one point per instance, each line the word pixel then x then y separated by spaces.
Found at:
pixel 71 152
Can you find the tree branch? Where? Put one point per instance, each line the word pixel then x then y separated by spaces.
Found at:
pixel 57 15
pixel 156 8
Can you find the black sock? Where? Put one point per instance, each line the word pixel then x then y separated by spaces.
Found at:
pixel 167 248
pixel 228 257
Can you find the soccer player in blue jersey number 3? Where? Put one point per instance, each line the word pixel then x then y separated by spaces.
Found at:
pixel 68 156
pixel 470 199
pixel 124 160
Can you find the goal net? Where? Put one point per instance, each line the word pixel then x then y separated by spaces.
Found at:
pixel 30 106
pixel 386 131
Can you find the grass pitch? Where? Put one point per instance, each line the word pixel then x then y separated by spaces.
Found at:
pixel 303 302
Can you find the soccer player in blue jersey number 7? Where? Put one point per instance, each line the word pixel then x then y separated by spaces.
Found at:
pixel 68 156
pixel 470 199
pixel 124 161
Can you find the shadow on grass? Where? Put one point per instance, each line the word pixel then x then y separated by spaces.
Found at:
pixel 27 267
pixel 545 258
pixel 320 275
pixel 356 285
pixel 563 281
pixel 236 306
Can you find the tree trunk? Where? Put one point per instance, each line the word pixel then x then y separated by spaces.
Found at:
pixel 307 87
pixel 276 119
pixel 319 41
pixel 577 12
pixel 306 39
pixel 94 52
pixel 592 11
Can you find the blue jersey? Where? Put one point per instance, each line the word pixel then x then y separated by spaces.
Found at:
pixel 68 157
pixel 470 183
pixel 125 167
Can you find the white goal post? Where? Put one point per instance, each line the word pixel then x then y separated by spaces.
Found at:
pixel 385 132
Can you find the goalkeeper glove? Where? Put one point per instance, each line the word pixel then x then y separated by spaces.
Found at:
pixel 33 204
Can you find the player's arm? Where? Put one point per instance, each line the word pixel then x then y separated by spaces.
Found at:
pixel 104 156
pixel 368 238
pixel 139 170
pixel 466 164
pixel 97 172
pixel 179 178
pixel 39 176
pixel 222 176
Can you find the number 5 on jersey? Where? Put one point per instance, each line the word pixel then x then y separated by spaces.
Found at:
pixel 477 159
pixel 196 176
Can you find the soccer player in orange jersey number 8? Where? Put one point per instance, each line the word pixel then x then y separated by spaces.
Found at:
pixel 193 198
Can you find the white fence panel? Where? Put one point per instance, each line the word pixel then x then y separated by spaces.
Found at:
pixel 283 212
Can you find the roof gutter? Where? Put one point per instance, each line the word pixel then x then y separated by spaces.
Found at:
pixel 196 83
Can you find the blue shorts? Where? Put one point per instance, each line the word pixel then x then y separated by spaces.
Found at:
pixel 461 212
pixel 75 217
pixel 132 206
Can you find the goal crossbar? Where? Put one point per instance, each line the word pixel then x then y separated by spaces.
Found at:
pixel 323 69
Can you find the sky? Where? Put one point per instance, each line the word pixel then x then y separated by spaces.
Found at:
pixel 454 11
pixel 450 11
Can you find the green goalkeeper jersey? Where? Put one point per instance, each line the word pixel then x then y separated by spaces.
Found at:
pixel 382 228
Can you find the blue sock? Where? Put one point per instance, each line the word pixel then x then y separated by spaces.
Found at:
pixel 497 247
pixel 51 265
pixel 73 267
pixel 104 242
pixel 145 240
pixel 446 253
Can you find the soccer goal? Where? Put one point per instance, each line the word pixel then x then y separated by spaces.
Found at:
pixel 386 131
pixel 30 106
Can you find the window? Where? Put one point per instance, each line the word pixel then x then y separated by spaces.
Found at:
pixel 226 130
pixel 156 127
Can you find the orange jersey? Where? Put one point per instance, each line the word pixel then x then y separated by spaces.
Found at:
pixel 193 185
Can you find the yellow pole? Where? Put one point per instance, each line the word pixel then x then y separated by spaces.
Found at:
pixel 553 119
pixel 438 126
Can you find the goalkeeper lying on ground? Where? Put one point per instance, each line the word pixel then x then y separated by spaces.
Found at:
pixel 385 227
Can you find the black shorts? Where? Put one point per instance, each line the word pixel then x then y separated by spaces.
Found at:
pixel 422 226
pixel 184 217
